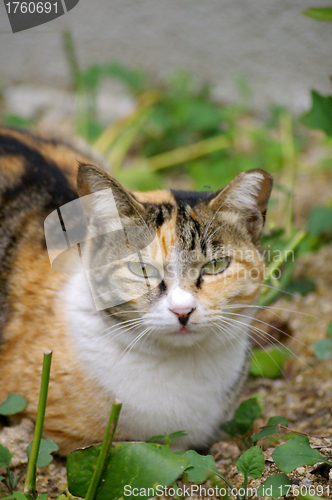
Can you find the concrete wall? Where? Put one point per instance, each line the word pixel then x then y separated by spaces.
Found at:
pixel 281 53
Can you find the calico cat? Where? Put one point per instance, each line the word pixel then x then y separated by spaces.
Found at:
pixel 148 322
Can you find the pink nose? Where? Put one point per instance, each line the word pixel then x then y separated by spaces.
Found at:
pixel 181 310
pixel 183 316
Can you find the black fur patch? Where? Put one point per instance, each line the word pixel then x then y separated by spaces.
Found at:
pixel 160 217
pixel 162 287
pixel 157 214
pixel 42 188
pixel 191 198
pixel 40 174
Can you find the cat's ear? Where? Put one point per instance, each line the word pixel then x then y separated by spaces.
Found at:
pixel 248 195
pixel 108 198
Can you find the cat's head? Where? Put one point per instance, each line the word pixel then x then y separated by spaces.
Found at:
pixel 173 264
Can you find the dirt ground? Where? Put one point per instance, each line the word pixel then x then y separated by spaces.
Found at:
pixel 303 395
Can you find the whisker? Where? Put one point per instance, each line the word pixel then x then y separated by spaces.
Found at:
pixel 274 327
pixel 281 291
pixel 122 326
pixel 271 340
pixel 235 337
pixel 136 339
pixel 262 347
pixel 264 334
pixel 241 306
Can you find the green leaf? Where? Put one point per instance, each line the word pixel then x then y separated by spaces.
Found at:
pixel 138 177
pixel 320 221
pixel 201 467
pixel 47 446
pixel 5 457
pixel 177 435
pixel 2 478
pixel 234 429
pixel 329 330
pixel 15 403
pixel 251 463
pixel 320 114
pixel 248 411
pixel 94 74
pixel 323 349
pixel 302 287
pixel 268 363
pixel 295 453
pixel 134 465
pixel 160 437
pixel 168 437
pixel 43 497
pixel 244 418
pixel 275 486
pixel 17 121
pixel 278 420
pixel 268 431
pixel 320 14
pixel 17 495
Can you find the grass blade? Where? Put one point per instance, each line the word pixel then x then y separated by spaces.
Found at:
pixel 30 481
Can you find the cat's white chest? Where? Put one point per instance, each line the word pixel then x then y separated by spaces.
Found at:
pixel 161 391
pixel 161 396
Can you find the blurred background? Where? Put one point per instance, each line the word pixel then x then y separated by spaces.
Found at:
pixel 187 94
pixel 269 44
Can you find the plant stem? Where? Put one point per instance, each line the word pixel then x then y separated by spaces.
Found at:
pixel 111 134
pixel 8 481
pixel 224 479
pixel 72 60
pixel 290 167
pixel 294 242
pixel 186 153
pixel 309 497
pixel 125 140
pixel 30 480
pixel 21 475
pixel 106 444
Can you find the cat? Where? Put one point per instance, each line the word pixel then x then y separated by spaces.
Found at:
pixel 146 321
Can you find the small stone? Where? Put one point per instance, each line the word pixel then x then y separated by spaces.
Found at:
pixel 16 439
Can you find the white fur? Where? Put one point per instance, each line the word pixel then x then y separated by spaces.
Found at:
pixel 243 194
pixel 166 383
pixel 180 301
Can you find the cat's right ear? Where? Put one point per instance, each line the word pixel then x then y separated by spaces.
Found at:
pixel 104 197
pixel 247 195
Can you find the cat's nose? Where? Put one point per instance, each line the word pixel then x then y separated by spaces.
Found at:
pixel 183 315
pixel 182 304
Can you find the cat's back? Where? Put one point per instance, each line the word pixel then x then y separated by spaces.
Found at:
pixel 37 176
pixel 39 170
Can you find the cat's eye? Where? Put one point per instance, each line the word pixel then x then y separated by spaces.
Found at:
pixel 143 270
pixel 216 266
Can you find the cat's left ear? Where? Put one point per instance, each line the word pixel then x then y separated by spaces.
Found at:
pixel 108 198
pixel 247 195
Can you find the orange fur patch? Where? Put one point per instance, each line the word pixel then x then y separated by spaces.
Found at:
pixel 12 167
pixel 162 196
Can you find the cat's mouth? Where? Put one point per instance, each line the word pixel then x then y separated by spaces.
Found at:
pixel 184 330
